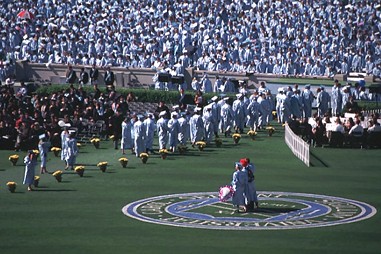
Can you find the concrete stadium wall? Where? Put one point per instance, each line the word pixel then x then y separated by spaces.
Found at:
pixel 131 77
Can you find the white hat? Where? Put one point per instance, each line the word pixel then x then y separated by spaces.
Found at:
pixel 174 114
pixel 238 95
pixel 61 123
pixel 197 109
pixel 214 98
pixel 163 113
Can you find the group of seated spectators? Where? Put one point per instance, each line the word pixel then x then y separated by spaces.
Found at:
pixel 25 116
pixel 359 131
pixel 306 37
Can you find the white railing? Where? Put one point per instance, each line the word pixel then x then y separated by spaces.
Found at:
pixel 298 146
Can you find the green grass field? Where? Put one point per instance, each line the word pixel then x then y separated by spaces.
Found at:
pixel 83 215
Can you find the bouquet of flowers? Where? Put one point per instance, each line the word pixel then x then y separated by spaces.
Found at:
pixel 80 170
pixel 95 142
pixel 55 150
pixel 36 181
pixel 218 142
pixel 58 175
pixel 11 186
pixel 226 193
pixel 252 134
pixel 123 161
pixel 14 158
pixel 201 145
pixel 102 166
pixel 182 148
pixel 270 130
pixel 163 153
pixel 236 137
pixel 144 157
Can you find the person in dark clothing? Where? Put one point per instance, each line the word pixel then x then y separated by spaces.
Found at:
pixel 162 107
pixel 115 127
pixel 94 73
pixel 351 106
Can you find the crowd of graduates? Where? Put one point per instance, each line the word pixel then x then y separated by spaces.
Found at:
pixel 319 38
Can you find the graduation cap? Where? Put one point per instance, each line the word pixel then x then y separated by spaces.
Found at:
pixel 214 98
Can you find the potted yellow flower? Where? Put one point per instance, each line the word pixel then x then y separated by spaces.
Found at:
pixel 11 186
pixel 102 166
pixel 274 114
pixel 123 161
pixel 14 158
pixel 36 152
pixel 201 145
pixel 163 153
pixel 182 148
pixel 112 137
pixel 236 137
pixel 144 157
pixel 79 170
pixel 55 150
pixel 36 181
pixel 58 175
pixel 252 134
pixel 95 142
pixel 270 130
pixel 218 142
pixel 79 145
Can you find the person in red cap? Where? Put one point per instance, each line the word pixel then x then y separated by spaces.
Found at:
pixel 251 194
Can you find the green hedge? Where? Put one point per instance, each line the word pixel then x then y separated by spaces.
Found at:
pixel 369 105
pixel 142 95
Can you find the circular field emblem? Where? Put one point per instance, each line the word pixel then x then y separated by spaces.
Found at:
pixel 278 210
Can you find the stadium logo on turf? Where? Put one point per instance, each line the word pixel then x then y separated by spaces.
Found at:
pixel 279 210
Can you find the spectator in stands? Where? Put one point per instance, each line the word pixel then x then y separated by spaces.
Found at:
pixel 109 77
pixel 338 126
pixel 71 75
pixel 374 126
pixel 318 133
pixel 83 77
pixel 351 106
pixel 94 73
pixel 356 128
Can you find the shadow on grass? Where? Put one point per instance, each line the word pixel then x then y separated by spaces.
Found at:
pixel 315 161
pixel 52 190
pixel 275 210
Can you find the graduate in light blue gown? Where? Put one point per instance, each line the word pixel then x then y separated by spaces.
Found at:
pixel 196 124
pixel 184 129
pixel 30 165
pixel 43 147
pixel 251 194
pixel 64 139
pixel 162 130
pixel 239 184
pixel 139 137
pixel 71 151
pixel 126 142
pixel 173 130
pixel 150 132
pixel 239 113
